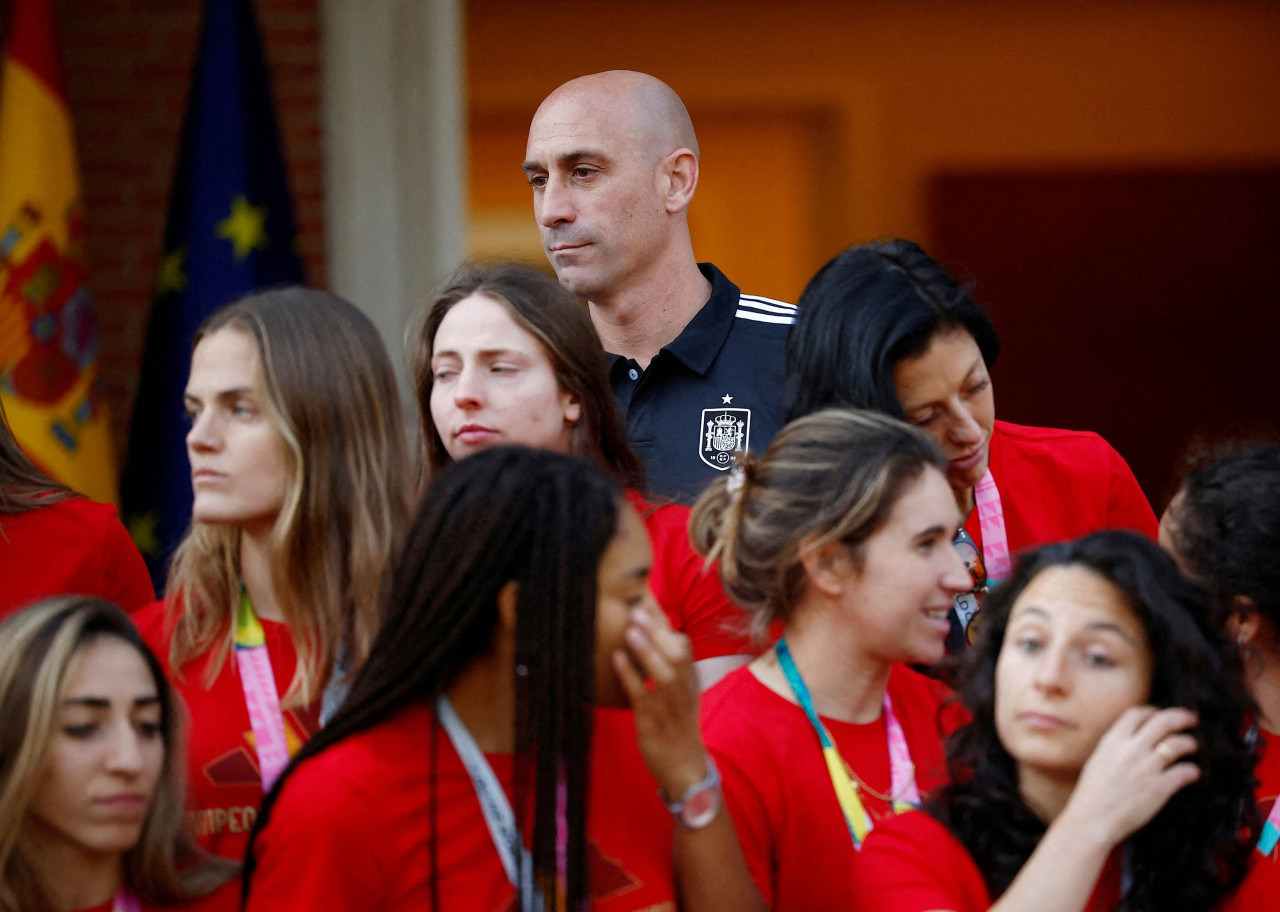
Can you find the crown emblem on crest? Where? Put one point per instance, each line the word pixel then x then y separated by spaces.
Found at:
pixel 725 431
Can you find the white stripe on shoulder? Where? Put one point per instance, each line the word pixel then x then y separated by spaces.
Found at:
pixel 763 317
pixel 769 305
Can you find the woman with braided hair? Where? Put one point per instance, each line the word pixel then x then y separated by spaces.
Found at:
pixel 475 763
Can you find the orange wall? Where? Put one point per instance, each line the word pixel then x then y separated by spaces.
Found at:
pixel 856 105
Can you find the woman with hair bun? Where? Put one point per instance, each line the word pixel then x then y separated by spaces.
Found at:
pixel 883 326
pixel 839 539
pixel 91 772
pixel 1223 529
pixel 1106 765
pixel 299 467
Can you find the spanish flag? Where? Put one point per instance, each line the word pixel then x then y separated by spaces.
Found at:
pixel 48 341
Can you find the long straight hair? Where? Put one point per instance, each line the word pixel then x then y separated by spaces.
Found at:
pixel 541 520
pixel 330 392
pixel 37 647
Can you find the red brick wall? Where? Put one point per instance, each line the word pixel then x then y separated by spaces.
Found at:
pixel 128 65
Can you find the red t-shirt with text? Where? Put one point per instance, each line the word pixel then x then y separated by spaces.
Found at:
pixel 223 781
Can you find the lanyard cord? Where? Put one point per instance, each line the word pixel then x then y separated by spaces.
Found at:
pixel 495 807
pixel 903 792
pixel 260 696
pixel 995 540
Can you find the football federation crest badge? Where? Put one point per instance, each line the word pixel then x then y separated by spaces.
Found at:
pixel 725 431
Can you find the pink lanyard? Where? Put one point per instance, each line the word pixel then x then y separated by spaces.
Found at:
pixel 125 901
pixel 260 696
pixel 995 541
pixel 903 792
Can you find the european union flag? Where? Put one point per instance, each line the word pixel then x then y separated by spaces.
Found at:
pixel 230 231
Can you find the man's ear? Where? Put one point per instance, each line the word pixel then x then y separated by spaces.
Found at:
pixel 828 567
pixel 680 169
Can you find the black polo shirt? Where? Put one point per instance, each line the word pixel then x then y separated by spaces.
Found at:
pixel 715 390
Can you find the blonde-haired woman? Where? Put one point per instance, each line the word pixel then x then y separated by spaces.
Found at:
pixel 839 539
pixel 300 473
pixel 91 771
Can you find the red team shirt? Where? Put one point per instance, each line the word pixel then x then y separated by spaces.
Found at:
pixel 693 598
pixel 779 793
pixel 912 863
pixel 222 767
pixel 1260 891
pixel 1057 485
pixel 74 546
pixel 352 827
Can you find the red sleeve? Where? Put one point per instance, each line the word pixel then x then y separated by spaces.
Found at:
pixel 320 850
pixel 72 546
pixel 125 578
pixel 692 596
pixel 745 776
pixel 1127 505
pixel 910 863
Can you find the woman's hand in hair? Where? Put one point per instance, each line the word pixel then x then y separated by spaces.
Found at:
pixel 657 672
pixel 1145 757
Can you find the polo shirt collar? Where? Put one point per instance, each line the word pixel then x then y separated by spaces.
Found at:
pixel 702 338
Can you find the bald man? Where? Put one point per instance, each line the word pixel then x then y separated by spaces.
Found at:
pixel 697 366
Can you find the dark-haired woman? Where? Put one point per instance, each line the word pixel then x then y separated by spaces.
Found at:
pixel 1223 529
pixel 301 495
pixel 506 355
pixel 92 809
pixel 839 538
pixel 883 326
pixel 469 768
pixel 52 541
pixel 1106 766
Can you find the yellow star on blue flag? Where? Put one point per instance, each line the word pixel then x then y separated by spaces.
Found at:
pixel 245 227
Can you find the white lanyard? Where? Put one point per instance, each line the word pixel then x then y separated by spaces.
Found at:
pixel 498 815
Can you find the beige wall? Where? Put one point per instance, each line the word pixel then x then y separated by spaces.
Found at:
pixel 822 122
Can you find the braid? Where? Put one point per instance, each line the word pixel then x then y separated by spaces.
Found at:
pixel 510 514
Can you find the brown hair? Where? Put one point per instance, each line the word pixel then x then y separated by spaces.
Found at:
pixel 831 476
pixel 548 311
pixel 330 392
pixel 22 485
pixel 37 647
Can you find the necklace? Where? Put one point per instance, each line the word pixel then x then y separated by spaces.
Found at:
pixel 890 798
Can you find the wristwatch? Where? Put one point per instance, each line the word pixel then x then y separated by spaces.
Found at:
pixel 700 802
